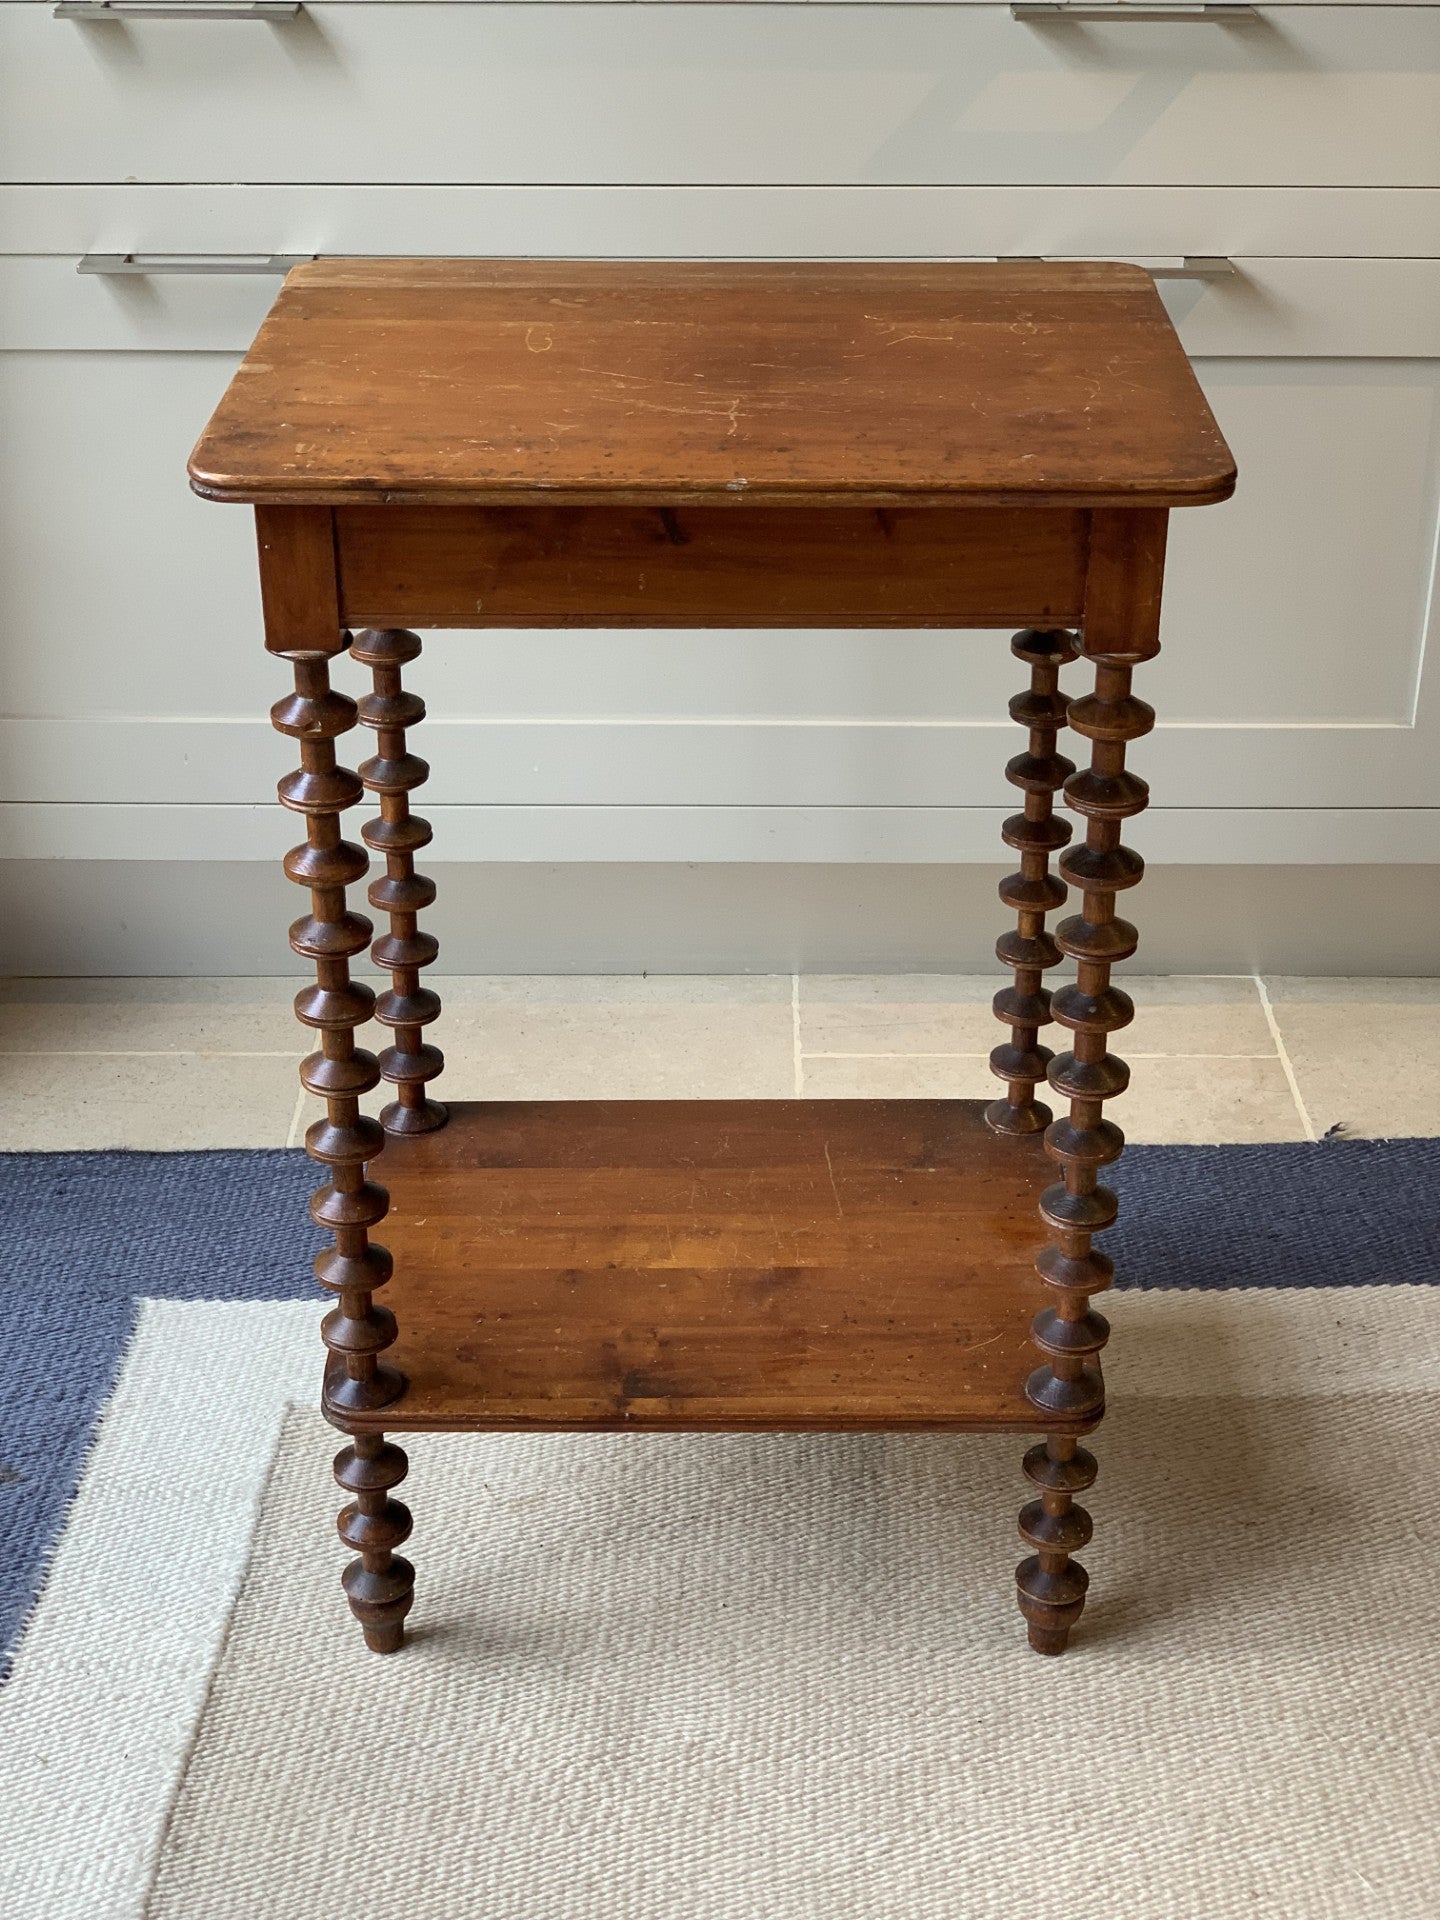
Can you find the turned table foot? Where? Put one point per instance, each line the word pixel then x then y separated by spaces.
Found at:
pixel 1052 1585
pixel 378 1583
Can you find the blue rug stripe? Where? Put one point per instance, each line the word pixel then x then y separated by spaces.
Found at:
pixel 56 1377
pixel 87 1234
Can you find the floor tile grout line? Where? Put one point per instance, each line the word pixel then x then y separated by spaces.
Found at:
pixel 1285 1061
pixel 297 1113
pixel 145 1053
pixel 981 975
pixel 820 1053
pixel 813 1053
pixel 798 1056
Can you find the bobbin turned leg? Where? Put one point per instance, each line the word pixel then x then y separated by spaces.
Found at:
pixel 398 834
pixel 356 1331
pixel 1121 617
pixel 1033 892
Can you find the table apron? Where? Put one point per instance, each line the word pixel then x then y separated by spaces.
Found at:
pixel 707 566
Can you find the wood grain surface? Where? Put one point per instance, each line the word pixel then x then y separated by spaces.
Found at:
pixel 704 566
pixel 463 381
pixel 716 1265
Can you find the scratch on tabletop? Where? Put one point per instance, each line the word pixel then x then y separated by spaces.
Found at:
pixel 833 1187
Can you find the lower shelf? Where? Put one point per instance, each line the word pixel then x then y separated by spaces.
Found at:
pixel 714 1266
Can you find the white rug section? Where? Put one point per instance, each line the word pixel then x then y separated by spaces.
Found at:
pixel 664 1654
pixel 783 1676
pixel 100 1712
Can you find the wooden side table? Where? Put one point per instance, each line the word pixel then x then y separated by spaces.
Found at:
pixel 510 444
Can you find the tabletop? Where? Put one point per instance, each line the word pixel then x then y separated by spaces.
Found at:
pixel 483 381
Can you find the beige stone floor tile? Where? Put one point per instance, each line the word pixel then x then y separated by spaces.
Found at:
pixel 66 1102
pixel 699 1036
pixel 1175 1100
pixel 257 1015
pixel 657 1045
pixel 150 1016
pixel 667 1049
pixel 1220 1014
pixel 912 1076
pixel 1315 991
pixel 603 990
pixel 1365 1053
pixel 951 1013
pixel 898 1013
pixel 1199 1100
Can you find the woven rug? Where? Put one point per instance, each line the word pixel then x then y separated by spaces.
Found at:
pixel 736 1675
